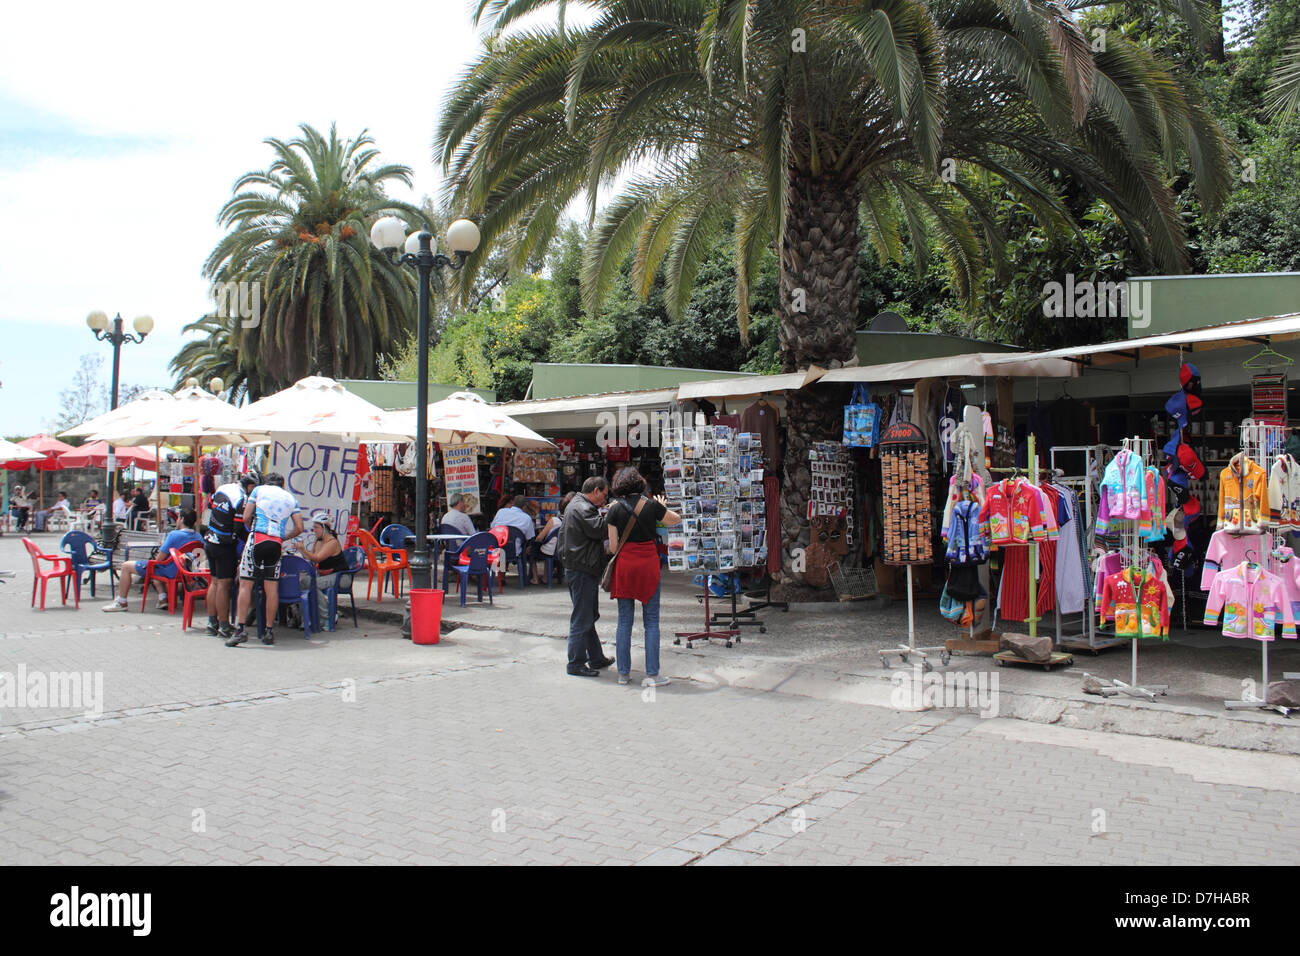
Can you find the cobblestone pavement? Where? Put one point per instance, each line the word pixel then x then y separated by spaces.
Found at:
pixel 364 748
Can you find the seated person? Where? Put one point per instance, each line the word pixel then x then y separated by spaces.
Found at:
pixel 175 539
pixel 122 506
pixel 327 555
pixel 510 512
pixel 139 506
pixel 540 547
pixel 20 506
pixel 456 516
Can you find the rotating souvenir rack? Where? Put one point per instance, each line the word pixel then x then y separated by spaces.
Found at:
pixel 1263 444
pixel 905 474
pixel 1086 639
pixel 1134 556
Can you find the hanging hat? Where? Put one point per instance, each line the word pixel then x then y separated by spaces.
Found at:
pixel 1180 554
pixel 1177 408
pixel 1194 404
pixel 1179 493
pixel 1192 507
pixel 1171 446
pixel 1189 377
pixel 1187 458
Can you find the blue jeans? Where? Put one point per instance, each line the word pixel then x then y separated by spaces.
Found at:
pixel 623 639
pixel 584 645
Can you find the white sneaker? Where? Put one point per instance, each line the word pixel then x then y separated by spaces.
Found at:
pixel 658 680
pixel 162 604
pixel 113 606
pixel 624 679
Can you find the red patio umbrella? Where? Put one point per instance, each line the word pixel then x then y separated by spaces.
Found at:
pixel 95 455
pixel 51 448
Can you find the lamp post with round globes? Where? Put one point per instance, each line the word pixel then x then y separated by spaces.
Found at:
pixel 389 234
pixel 114 336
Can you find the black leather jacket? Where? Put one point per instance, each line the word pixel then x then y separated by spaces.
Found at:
pixel 580 543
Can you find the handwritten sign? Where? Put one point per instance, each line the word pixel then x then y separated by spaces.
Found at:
pixel 319 472
pixel 460 473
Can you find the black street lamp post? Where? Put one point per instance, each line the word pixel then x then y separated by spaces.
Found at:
pixel 389 234
pixel 112 334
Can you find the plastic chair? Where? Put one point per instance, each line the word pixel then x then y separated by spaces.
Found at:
pixel 448 553
pixel 516 550
pixel 356 558
pixel 171 583
pixel 350 535
pixel 394 537
pixel 87 556
pixel 292 591
pixel 61 569
pixel 479 547
pixel 383 561
pixel 549 558
pixel 194 585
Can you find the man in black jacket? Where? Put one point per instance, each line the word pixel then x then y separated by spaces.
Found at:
pixel 580 546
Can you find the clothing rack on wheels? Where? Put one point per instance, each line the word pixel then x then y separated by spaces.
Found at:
pixel 1262 444
pixel 981 641
pixel 1133 558
pixel 1087 638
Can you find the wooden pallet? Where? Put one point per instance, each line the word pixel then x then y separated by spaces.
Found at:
pixel 1058 658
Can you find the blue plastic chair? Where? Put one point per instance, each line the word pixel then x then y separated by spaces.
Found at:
pixel 479 547
pixel 356 558
pixel 291 592
pixel 86 556
pixel 517 551
pixel 450 555
pixel 394 536
pixel 549 558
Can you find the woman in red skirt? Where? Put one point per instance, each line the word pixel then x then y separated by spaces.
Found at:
pixel 636 570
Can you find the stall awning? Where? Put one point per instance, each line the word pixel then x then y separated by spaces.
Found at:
pixel 648 398
pixel 972 365
pixel 748 387
pixel 1227 335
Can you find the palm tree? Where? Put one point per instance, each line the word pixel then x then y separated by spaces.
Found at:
pixel 1284 87
pixel 330 302
pixel 814 123
pixel 214 354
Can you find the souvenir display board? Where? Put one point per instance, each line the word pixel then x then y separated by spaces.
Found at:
pixel 905 479
pixel 831 491
pixel 713 477
pixel 538 470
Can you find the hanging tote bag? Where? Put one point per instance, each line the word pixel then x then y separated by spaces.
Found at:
pixel 861 420
pixel 607 578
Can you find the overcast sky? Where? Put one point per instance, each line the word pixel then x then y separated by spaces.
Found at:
pixel 124 126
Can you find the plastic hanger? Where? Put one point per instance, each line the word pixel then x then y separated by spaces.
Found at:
pixel 1270 356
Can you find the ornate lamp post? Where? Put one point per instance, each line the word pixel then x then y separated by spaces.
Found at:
pixel 389 235
pixel 114 336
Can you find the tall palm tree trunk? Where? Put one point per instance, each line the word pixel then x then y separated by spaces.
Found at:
pixel 819 312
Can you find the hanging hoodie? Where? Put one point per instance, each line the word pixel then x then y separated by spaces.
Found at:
pixel 966 544
pixel 1287 568
pixel 1012 513
pixel 1227 550
pixel 1251 602
pixel 1137 601
pixel 1243 495
pixel 1284 493
pixel 955 494
pixel 1123 491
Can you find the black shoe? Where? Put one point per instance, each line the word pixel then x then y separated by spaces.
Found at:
pixel 237 638
pixel 601 664
pixel 213 628
pixel 584 672
pixel 268 637
pixel 224 630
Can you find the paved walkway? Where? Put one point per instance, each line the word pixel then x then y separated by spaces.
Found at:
pixel 362 747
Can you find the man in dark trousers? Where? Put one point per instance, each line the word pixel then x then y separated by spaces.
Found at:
pixel 580 546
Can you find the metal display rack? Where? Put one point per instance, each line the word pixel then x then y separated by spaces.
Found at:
pixel 1086 638
pixel 1133 556
pixel 1262 444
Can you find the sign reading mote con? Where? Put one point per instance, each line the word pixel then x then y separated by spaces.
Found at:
pixel 318 472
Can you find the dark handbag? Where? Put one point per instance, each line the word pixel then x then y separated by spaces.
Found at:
pixel 607 578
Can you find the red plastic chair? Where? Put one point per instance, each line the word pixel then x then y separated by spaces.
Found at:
pixel 382 562
pixel 350 535
pixel 170 583
pixel 195 585
pixel 62 569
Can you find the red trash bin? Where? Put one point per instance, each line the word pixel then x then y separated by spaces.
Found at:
pixel 426 615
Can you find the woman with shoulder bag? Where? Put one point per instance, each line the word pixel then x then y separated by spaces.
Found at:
pixel 633 544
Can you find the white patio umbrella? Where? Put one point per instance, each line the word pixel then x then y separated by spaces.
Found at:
pixel 318 406
pixel 144 400
pixel 463 418
pixel 12 451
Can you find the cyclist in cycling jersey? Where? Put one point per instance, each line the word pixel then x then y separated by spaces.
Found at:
pixel 225 527
pixel 271 515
